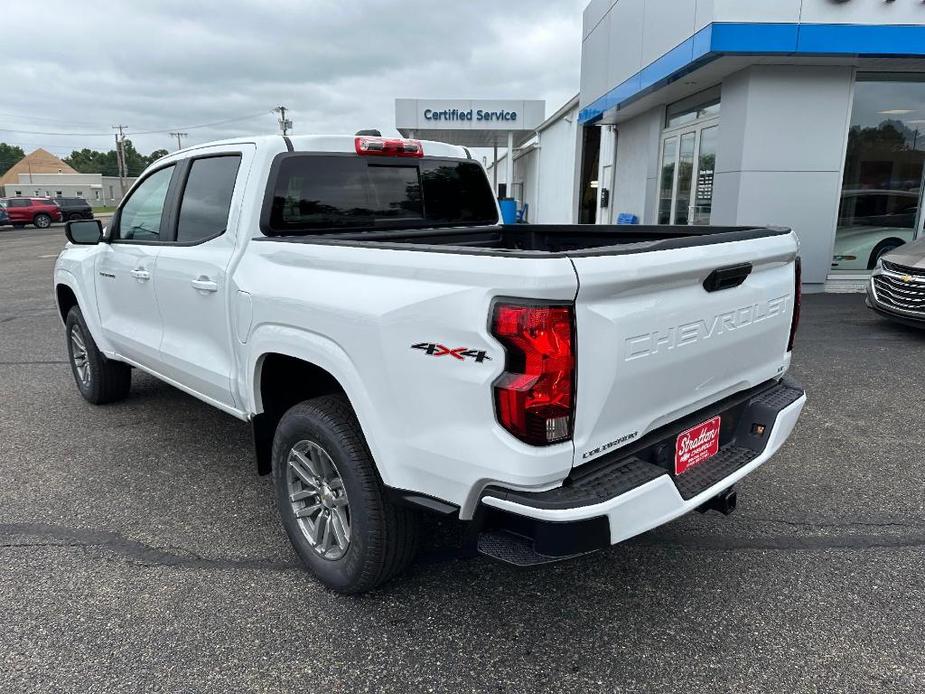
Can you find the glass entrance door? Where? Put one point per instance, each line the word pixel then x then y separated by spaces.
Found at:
pixel 687 170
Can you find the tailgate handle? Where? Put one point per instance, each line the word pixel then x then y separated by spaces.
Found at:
pixel 727 277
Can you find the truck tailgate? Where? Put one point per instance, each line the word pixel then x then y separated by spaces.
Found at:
pixel 654 345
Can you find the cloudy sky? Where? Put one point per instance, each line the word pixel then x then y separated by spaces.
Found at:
pixel 338 65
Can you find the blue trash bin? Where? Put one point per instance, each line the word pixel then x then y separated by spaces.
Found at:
pixel 627 218
pixel 508 210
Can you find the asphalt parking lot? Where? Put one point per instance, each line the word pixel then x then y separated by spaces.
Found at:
pixel 140 552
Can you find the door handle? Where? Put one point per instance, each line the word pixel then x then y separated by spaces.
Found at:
pixel 140 274
pixel 204 284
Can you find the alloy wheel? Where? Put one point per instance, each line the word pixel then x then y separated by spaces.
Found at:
pixel 79 356
pixel 319 499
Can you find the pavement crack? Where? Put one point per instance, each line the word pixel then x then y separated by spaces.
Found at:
pixel 129 551
pixel 32 362
pixel 846 524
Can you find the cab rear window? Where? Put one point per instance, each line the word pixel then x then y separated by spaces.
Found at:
pixel 318 194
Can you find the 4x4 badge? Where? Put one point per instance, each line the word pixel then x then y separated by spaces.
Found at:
pixel 462 353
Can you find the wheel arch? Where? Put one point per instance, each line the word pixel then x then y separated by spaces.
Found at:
pixel 292 366
pixel 66 299
pixel 892 242
pixel 68 293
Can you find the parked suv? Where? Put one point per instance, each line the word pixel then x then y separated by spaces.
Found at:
pixel 38 211
pixel 4 217
pixel 74 208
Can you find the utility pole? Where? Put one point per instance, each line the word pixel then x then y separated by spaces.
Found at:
pixel 284 123
pixel 120 156
pixel 178 136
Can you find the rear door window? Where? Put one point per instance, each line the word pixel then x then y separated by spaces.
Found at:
pixel 19 202
pixel 206 201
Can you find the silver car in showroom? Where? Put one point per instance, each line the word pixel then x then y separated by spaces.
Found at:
pixel 897 285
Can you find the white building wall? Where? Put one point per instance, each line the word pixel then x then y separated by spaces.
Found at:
pixel 547 171
pixel 783 133
pixel 557 172
pixel 636 174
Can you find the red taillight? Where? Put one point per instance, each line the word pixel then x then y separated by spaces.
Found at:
pixel 381 146
pixel 535 396
pixel 797 301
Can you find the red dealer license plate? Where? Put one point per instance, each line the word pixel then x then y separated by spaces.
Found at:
pixel 696 445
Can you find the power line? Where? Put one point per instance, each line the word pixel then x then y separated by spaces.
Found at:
pixel 203 125
pixel 42 132
pixel 46 118
pixel 137 132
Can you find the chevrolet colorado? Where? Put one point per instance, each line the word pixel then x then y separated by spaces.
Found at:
pixel 396 349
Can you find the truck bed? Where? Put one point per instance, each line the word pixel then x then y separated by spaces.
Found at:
pixel 541 240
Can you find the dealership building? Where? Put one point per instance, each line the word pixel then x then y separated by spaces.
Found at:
pixel 800 113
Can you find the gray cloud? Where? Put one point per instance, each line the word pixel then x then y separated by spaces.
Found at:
pixel 337 65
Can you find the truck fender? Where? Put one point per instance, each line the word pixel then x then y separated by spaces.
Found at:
pixel 319 351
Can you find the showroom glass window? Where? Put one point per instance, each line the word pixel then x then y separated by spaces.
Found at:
pixel 882 186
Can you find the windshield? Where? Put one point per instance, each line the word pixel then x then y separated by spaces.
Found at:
pixel 321 194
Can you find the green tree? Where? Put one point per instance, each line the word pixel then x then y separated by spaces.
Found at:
pixel 9 155
pixel 107 163
pixel 90 161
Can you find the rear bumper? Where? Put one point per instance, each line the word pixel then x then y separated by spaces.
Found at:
pixel 628 496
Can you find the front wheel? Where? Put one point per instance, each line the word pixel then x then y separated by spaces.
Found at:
pixel 331 502
pixel 99 380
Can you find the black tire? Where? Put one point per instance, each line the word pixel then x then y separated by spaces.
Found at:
pixel 107 380
pixel 74 216
pixel 382 536
pixel 42 220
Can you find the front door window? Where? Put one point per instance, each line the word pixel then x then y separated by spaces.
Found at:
pixel 141 215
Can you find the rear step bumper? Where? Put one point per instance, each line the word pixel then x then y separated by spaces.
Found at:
pixel 630 495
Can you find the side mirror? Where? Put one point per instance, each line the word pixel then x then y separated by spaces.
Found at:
pixel 85 232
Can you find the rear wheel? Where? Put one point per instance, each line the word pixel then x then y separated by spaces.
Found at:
pixel 99 380
pixel 42 221
pixel 331 502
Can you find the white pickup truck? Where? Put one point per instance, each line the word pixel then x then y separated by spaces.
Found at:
pixel 396 349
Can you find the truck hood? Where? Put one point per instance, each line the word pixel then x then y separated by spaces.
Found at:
pixel 911 255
